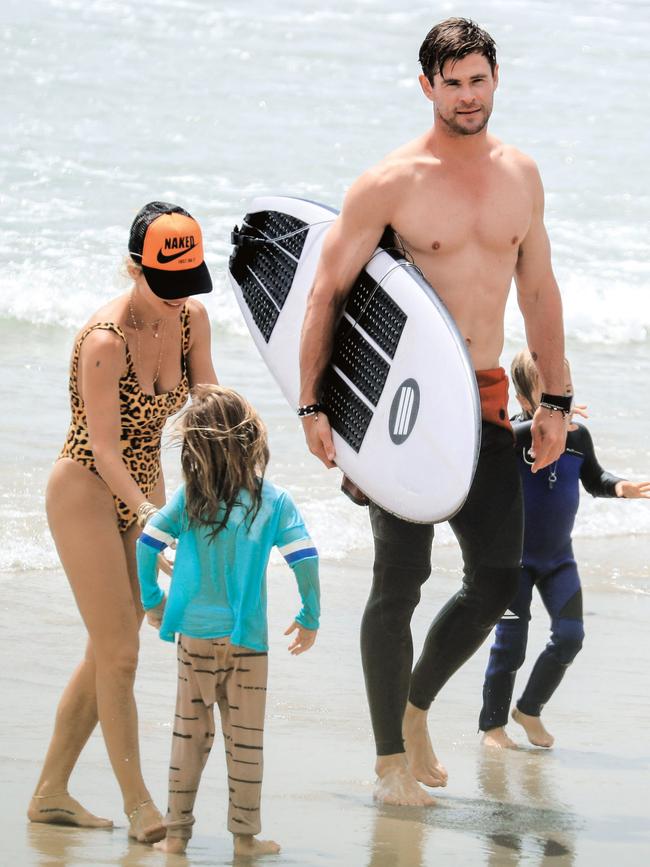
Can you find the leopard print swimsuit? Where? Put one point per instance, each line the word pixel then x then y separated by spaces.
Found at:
pixel 142 415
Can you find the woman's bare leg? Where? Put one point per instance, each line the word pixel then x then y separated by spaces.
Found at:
pixel 148 821
pixel 76 718
pixel 93 554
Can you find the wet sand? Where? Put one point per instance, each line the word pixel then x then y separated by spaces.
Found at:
pixel 584 802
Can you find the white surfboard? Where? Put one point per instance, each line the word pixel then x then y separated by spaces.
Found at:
pixel 400 391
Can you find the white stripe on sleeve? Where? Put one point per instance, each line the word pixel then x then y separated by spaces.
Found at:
pixel 298 545
pixel 157 533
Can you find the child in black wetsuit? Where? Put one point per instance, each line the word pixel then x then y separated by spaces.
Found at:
pixel 551 498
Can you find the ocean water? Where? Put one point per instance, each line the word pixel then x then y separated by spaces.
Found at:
pixel 107 104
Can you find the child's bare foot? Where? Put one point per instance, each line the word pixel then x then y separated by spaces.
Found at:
pixel 61 808
pixel 498 739
pixel 423 762
pixel 172 845
pixel 396 784
pixel 535 731
pixel 246 844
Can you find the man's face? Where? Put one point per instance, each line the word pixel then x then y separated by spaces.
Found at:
pixel 463 94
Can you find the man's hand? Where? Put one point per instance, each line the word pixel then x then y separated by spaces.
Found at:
pixel 318 434
pixel 303 640
pixel 155 615
pixel 548 430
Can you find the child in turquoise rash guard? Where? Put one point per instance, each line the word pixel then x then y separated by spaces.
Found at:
pixel 224 521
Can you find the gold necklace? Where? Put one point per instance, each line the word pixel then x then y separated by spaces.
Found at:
pixel 137 339
pixel 155 325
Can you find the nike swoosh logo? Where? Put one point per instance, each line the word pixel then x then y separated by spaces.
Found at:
pixel 163 259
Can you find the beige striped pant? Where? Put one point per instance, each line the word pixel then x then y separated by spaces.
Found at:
pixel 214 670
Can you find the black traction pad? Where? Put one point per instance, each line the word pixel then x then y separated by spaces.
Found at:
pixel 357 359
pixel 376 312
pixel 267 269
pixel 348 414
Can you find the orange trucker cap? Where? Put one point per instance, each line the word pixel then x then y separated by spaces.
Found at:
pixel 167 242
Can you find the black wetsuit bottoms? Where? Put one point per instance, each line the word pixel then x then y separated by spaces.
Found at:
pixel 489 529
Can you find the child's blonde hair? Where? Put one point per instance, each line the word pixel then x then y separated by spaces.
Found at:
pixel 224 449
pixel 525 378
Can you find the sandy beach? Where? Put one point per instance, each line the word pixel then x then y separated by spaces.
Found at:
pixel 583 803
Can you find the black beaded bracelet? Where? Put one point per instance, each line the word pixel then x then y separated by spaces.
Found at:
pixel 560 402
pixel 310 409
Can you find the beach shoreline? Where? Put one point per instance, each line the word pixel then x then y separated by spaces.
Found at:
pixel 581 803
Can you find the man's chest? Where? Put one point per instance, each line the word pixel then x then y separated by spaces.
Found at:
pixel 445 214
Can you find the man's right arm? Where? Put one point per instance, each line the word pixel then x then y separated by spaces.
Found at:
pixel 348 246
pixel 540 303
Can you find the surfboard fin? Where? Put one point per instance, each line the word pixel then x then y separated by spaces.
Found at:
pixel 239 239
pixel 353 492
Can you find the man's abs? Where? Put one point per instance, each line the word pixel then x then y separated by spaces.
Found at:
pixel 474 287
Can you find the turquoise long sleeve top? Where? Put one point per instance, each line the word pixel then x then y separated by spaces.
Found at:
pixel 218 587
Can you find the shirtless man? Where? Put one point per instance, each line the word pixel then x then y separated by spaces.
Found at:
pixel 469 210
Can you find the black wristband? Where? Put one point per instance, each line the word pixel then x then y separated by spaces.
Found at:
pixel 310 409
pixel 560 402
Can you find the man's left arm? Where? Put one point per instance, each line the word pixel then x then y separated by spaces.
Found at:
pixel 540 303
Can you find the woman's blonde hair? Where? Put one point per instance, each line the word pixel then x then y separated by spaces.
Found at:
pixel 525 378
pixel 130 270
pixel 224 450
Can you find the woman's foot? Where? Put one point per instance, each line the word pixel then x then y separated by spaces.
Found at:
pixel 172 845
pixel 535 731
pixel 146 823
pixel 246 844
pixel 60 808
pixel 498 739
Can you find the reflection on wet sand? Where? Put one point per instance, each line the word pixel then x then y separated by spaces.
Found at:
pixel 519 818
pixel 527 819
pixel 56 845
pixel 396 842
pixel 61 846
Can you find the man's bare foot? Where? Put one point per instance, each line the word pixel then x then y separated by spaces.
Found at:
pixel 498 739
pixel 246 844
pixel 172 845
pixel 396 784
pixel 62 809
pixel 535 731
pixel 422 760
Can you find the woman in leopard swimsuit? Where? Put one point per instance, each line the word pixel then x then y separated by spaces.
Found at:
pixel 132 367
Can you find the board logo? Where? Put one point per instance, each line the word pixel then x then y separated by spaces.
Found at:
pixel 404 411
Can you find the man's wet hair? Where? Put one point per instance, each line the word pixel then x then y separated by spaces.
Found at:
pixel 452 40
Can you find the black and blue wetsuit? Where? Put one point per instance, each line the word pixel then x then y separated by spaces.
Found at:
pixel 551 498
